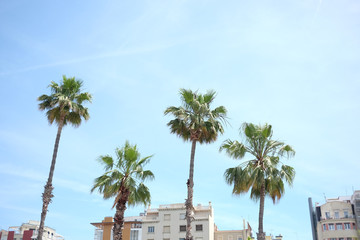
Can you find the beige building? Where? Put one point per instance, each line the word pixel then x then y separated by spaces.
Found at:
pixel 168 222
pixel 335 220
pixel 29 230
pixel 355 201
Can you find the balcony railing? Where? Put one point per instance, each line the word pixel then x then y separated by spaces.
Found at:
pixel 332 218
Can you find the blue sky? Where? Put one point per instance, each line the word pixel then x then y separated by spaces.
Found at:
pixel 292 64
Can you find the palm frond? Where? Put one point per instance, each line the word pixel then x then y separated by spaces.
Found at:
pixel 287 151
pixel 194 119
pixel 124 176
pixel 66 100
pixel 265 168
pixel 234 149
pixel 107 161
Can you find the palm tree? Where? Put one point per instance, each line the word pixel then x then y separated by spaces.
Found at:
pixel 63 106
pixel 124 179
pixel 262 174
pixel 195 122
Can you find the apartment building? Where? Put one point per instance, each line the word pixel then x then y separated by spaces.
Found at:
pixel 29 231
pixel 168 223
pixel 355 201
pixel 132 228
pixel 335 219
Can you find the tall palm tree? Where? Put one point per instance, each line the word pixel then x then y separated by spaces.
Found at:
pixel 124 179
pixel 63 106
pixel 195 122
pixel 264 174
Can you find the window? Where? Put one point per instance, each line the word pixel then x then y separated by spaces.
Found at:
pixel 332 238
pixel 151 229
pixel 337 215
pixel 134 234
pixel 327 215
pixel 166 229
pixel 348 238
pixel 239 238
pixel 341 238
pixel 199 227
pixel 199 238
pixel 182 216
pixel 347 225
pixel 182 228
pixel 167 217
pixel 324 227
pixel 346 214
pixel 331 226
pixel 181 238
pixel 339 227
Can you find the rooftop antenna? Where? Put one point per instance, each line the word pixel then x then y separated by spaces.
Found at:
pixel 324 197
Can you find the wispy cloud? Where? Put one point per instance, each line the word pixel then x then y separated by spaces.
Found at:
pixel 20 209
pixel 131 51
pixel 31 174
pixel 318 8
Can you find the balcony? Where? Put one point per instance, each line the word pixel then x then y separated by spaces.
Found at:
pixel 340 218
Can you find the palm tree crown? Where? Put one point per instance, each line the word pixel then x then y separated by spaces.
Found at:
pixel 124 179
pixel 65 101
pixel 124 173
pixel 194 120
pixel 262 174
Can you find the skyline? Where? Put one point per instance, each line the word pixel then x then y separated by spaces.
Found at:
pixel 293 65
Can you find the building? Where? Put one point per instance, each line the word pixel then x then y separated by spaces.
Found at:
pixel 336 218
pixel 28 231
pixel 355 201
pixel 168 222
pixel 133 227
pixel 271 237
pixel 131 231
pixel 233 234
pixel 103 229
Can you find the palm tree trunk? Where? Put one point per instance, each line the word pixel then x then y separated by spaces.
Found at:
pixel 189 200
pixel 48 188
pixel 119 215
pixel 261 234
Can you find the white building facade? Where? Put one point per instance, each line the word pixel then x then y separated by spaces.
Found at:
pixel 168 223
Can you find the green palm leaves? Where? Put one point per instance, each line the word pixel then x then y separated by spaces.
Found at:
pixel 264 174
pixel 124 179
pixel 125 173
pixel 194 120
pixel 65 102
